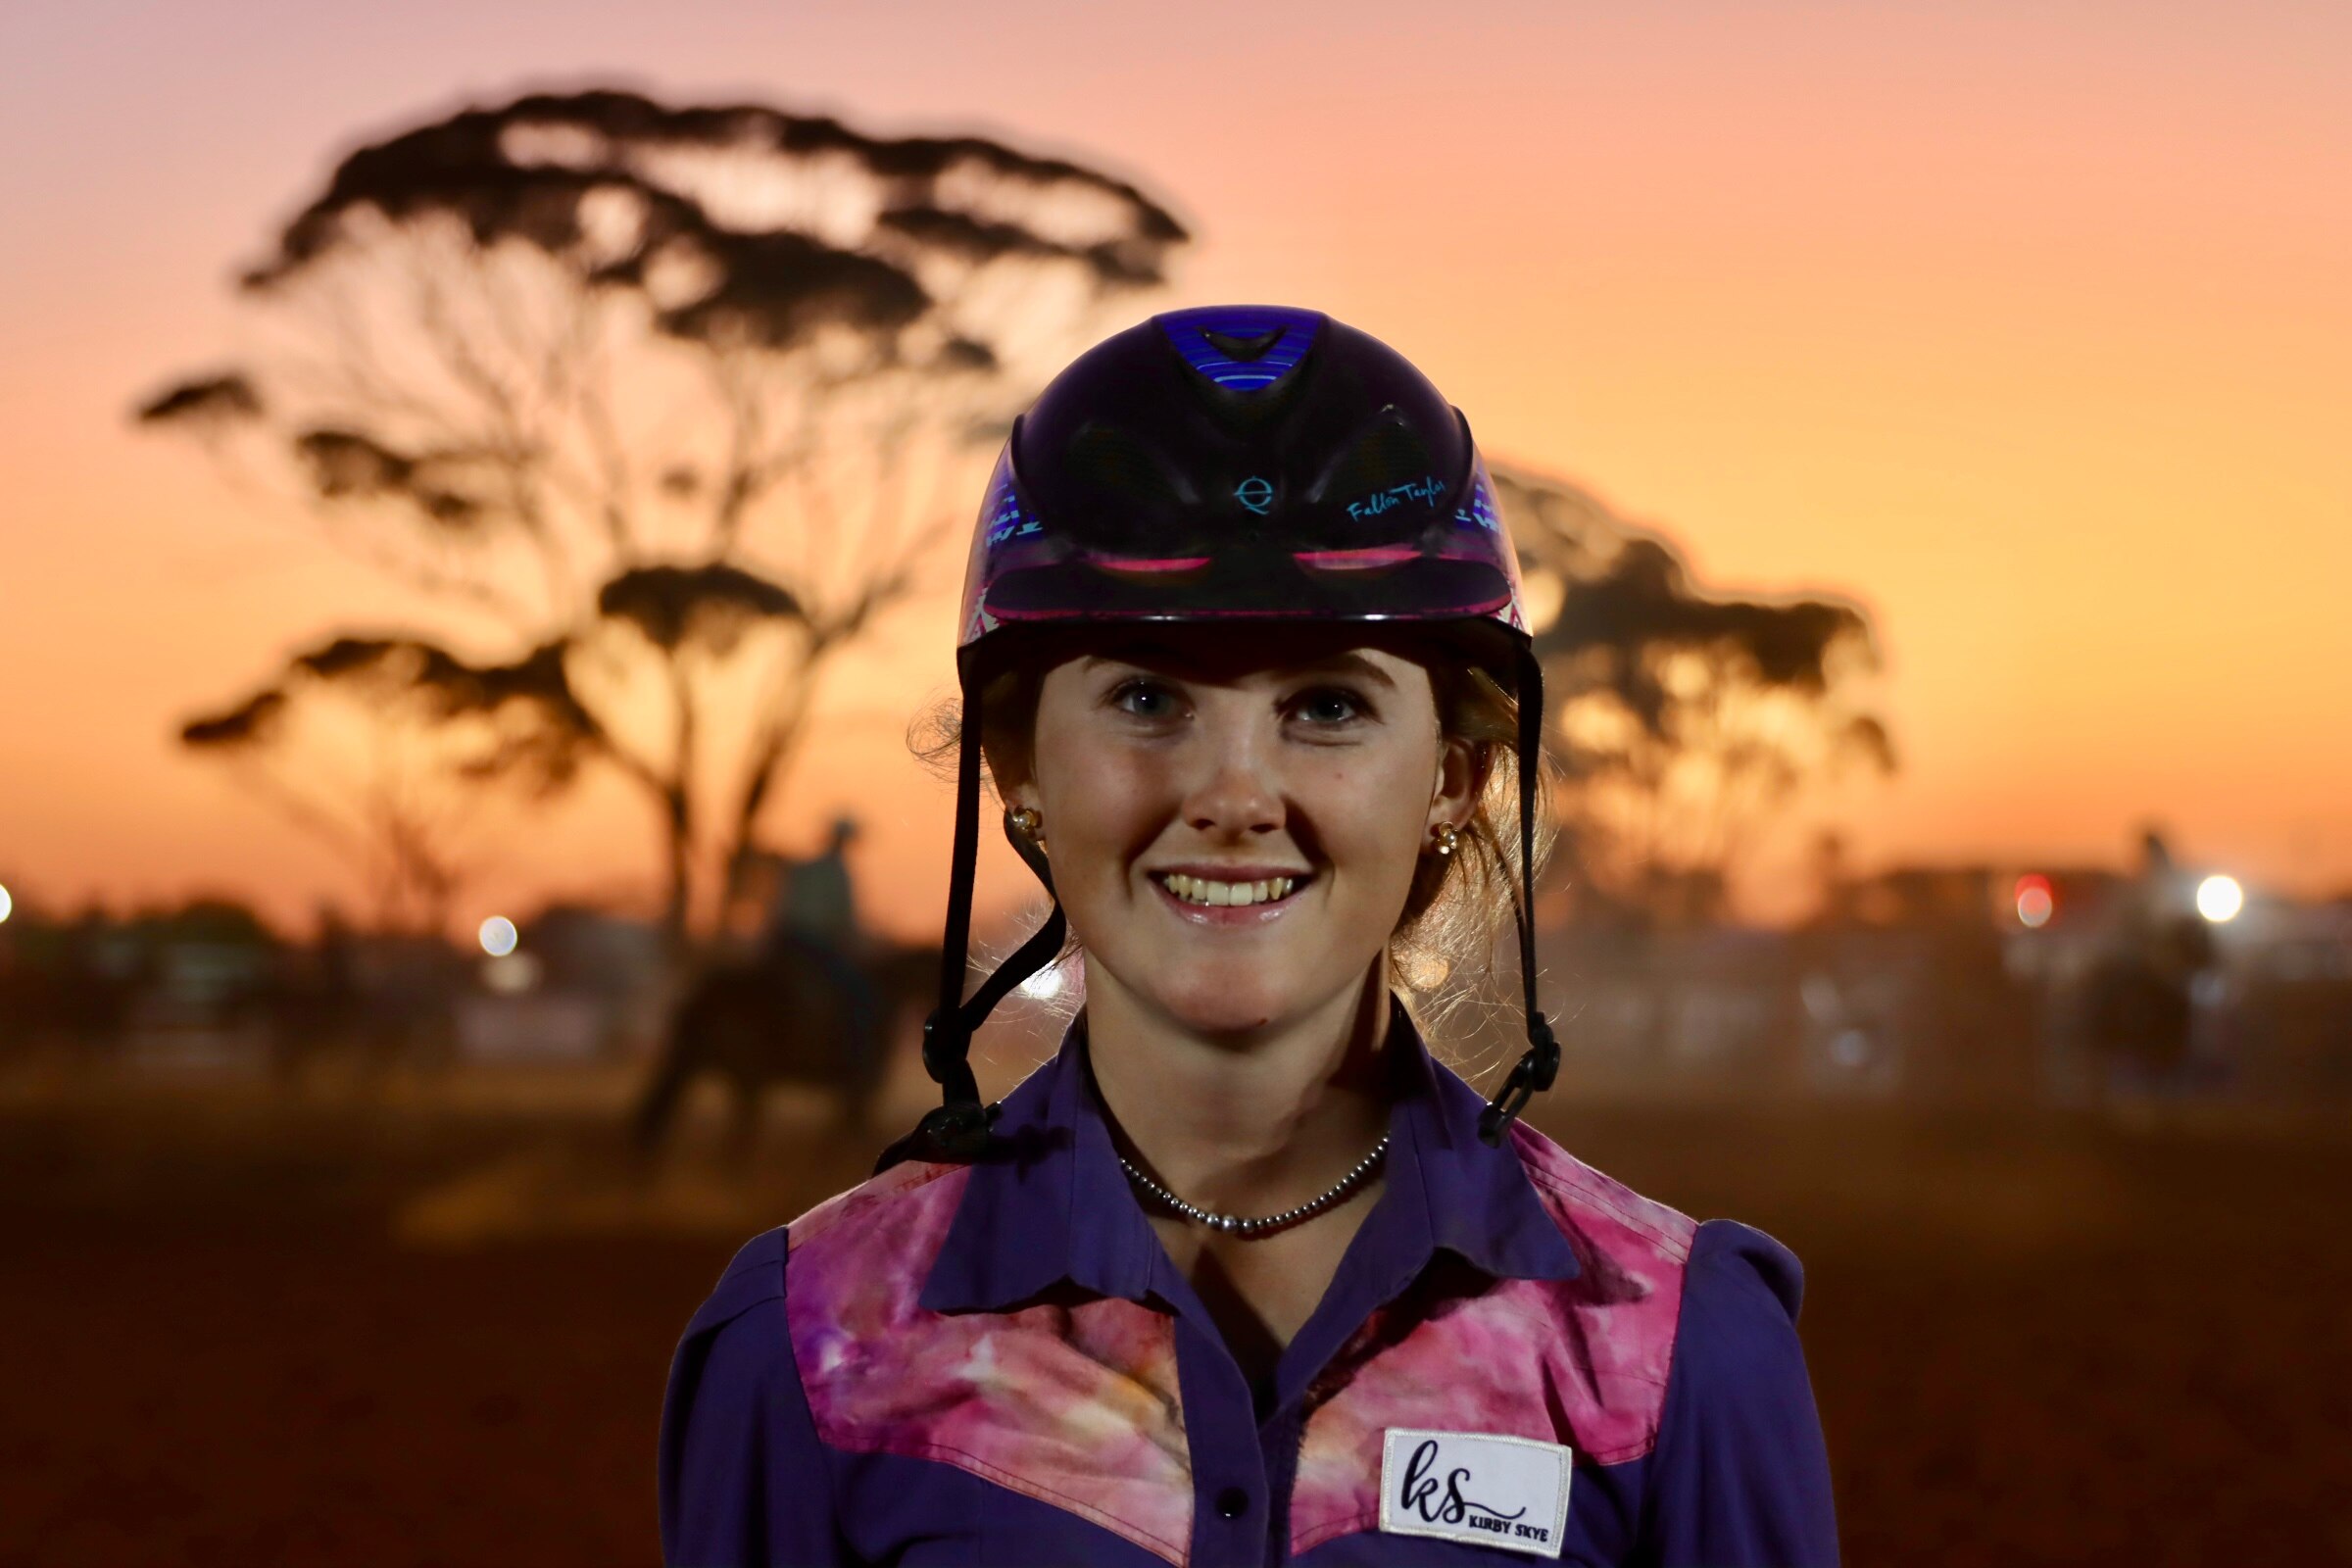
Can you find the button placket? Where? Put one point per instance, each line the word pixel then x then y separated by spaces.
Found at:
pixel 1221 1430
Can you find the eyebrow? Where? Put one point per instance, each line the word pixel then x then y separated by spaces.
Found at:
pixel 1161 652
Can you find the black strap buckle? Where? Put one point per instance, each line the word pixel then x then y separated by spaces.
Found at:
pixel 1531 1073
pixel 953 1134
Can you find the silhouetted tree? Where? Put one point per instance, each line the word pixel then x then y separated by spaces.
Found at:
pixel 674 402
pixel 375 745
pixel 1683 720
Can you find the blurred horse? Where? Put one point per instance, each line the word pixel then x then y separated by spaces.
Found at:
pixel 806 1013
pixel 2138 1005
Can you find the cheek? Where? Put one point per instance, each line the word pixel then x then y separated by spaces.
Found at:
pixel 1382 783
pixel 1369 814
pixel 1383 837
pixel 1100 805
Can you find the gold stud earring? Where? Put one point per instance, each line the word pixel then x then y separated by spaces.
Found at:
pixel 1447 837
pixel 1025 819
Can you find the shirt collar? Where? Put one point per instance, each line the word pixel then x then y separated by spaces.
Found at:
pixel 1050 1201
pixel 1047 1202
pixel 1477 1199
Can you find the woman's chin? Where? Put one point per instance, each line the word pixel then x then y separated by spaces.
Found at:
pixel 1228 1002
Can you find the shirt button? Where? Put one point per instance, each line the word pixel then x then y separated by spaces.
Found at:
pixel 1233 1502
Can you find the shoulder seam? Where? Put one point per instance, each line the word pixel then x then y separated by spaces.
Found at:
pixel 1680 1251
pixel 752 1294
pixel 1752 1273
pixel 855 1200
pixel 1678 1247
pixel 740 1264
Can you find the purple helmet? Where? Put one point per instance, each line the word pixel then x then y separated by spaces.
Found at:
pixel 1233 461
pixel 1240 461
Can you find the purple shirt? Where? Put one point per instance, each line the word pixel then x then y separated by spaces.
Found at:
pixel 998 1363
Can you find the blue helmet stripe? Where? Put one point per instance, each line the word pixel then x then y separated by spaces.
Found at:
pixel 1186 331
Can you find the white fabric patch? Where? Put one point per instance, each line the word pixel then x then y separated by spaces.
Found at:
pixel 1476 1487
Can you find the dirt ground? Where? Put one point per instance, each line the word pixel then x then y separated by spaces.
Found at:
pixel 243 1330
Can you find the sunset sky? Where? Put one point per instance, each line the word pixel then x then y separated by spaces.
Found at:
pixel 2028 326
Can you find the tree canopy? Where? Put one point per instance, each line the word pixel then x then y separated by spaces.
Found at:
pixel 668 404
pixel 1680 719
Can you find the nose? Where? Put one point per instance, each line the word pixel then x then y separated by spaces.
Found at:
pixel 1236 794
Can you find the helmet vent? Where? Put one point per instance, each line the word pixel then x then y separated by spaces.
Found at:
pixel 1245 347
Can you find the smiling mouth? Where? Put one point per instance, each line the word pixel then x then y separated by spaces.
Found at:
pixel 1207 895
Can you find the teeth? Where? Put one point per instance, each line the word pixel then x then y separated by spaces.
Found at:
pixel 1226 895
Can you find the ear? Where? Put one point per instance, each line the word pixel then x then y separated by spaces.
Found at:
pixel 1015 787
pixel 1009 735
pixel 1462 769
pixel 1013 784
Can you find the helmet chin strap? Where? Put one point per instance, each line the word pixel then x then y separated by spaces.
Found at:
pixel 957 1129
pixel 1537 1068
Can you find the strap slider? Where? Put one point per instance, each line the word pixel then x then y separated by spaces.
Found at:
pixel 1533 1071
pixel 953 1133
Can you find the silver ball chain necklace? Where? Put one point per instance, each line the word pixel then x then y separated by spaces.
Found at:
pixel 1236 1225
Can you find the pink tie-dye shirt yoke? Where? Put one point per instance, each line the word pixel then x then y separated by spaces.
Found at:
pixel 1074 1406
pixel 1579 1361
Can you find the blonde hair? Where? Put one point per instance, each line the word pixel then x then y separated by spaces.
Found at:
pixel 1442 944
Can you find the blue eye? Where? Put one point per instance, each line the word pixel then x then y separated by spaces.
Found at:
pixel 1144 699
pixel 1330 705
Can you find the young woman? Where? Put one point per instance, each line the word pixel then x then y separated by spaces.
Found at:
pixel 1243 1275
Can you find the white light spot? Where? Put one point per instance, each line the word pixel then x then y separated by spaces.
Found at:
pixel 2034 907
pixel 1045 985
pixel 2219 898
pixel 498 936
pixel 6 903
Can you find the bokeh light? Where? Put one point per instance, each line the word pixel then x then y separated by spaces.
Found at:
pixel 498 936
pixel 511 973
pixel 6 903
pixel 2034 901
pixel 2219 898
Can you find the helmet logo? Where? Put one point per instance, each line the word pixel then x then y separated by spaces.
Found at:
pixel 1254 493
pixel 1427 489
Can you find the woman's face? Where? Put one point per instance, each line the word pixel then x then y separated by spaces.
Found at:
pixel 1234 817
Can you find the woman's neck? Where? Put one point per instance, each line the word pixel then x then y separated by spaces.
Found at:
pixel 1250 1124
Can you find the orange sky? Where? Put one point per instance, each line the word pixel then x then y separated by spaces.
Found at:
pixel 2025 324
